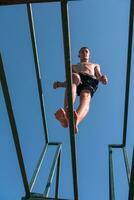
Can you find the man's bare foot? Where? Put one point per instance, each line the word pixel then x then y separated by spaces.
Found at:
pixel 61 116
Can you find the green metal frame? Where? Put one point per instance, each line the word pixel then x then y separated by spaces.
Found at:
pixel 57 159
pixel 67 50
pixel 123 145
pixel 56 162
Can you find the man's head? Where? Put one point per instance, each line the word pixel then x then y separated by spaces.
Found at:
pixel 84 54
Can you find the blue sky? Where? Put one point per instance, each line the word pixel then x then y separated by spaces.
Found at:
pixel 103 27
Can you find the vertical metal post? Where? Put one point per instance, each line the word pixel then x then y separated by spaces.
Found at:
pixel 37 69
pixel 36 172
pixel 13 127
pixel 111 176
pixel 58 176
pixel 47 189
pixel 131 185
pixel 128 73
pixel 126 164
pixel 66 40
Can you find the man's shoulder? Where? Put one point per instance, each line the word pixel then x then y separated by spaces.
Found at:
pixel 95 64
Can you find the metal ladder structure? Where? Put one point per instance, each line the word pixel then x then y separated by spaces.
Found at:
pixel 29 194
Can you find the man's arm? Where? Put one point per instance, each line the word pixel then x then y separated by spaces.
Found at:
pixel 58 84
pixel 99 76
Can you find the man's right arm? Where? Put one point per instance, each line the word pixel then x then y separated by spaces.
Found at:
pixel 58 84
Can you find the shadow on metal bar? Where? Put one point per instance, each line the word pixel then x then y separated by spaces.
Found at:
pixel 123 145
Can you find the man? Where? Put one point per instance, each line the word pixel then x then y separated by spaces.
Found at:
pixel 85 79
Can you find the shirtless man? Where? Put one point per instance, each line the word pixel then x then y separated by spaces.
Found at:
pixel 85 79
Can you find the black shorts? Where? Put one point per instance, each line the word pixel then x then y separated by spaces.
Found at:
pixel 88 83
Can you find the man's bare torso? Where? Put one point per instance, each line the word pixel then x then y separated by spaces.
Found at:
pixel 85 68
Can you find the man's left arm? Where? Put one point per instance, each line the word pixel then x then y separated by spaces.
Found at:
pixel 99 75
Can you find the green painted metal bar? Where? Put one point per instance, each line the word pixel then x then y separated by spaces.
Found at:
pixel 36 196
pixel 126 164
pixel 37 169
pixel 58 176
pixel 116 146
pixel 13 127
pixel 14 2
pixel 128 73
pixel 131 186
pixel 37 69
pixel 54 143
pixel 52 171
pixel 67 54
pixel 111 176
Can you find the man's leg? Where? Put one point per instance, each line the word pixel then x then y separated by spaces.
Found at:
pixel 76 81
pixel 62 114
pixel 82 110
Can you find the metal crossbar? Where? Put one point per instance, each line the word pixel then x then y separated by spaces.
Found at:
pixel 123 145
pixel 14 2
pixel 41 197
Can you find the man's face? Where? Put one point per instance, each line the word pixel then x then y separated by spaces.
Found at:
pixel 84 54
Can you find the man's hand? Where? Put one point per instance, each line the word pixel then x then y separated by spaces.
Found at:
pixel 57 84
pixel 103 79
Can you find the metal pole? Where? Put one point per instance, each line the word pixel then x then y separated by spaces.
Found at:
pixel 66 40
pixel 37 69
pixel 131 186
pixel 128 73
pixel 13 127
pixel 126 164
pixel 111 176
pixel 47 189
pixel 58 176
pixel 36 172
pixel 13 2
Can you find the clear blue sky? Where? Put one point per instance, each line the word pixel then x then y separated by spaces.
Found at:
pixel 103 27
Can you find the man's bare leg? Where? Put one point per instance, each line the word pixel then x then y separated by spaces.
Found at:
pixel 74 87
pixel 82 110
pixel 62 114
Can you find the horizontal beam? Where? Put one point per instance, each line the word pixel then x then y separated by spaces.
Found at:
pixel 54 143
pixel 41 197
pixel 13 2
pixel 116 145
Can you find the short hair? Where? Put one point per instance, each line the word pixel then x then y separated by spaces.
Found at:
pixel 84 48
